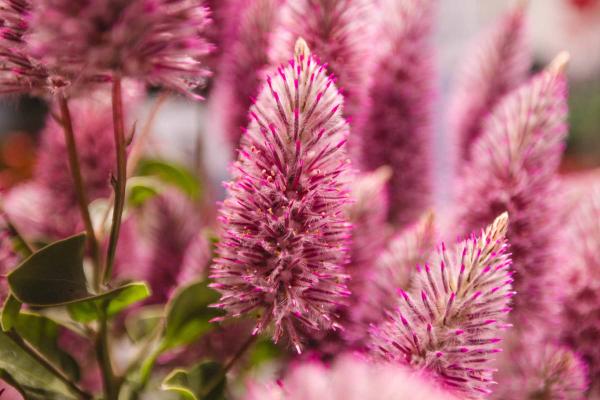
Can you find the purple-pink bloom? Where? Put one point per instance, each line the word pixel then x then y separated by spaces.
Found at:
pixel 497 63
pixel 244 64
pixel 340 34
pixel 513 169
pixel 450 322
pixel 396 130
pixel 285 236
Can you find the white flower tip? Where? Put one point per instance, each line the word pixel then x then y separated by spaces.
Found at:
pixel 559 63
pixel 500 224
pixel 383 174
pixel 301 48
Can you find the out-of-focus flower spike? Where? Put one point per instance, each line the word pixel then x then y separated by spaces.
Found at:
pixel 454 333
pixel 544 371
pixel 244 64
pixel 498 63
pixel 513 169
pixel 285 236
pixel 340 34
pixel 396 130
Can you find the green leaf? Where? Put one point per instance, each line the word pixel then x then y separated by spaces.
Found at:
pixel 264 351
pixel 10 312
pixel 191 384
pixel 30 376
pixel 114 301
pixel 42 333
pixel 174 174
pixel 143 322
pixel 52 275
pixel 188 314
pixel 141 189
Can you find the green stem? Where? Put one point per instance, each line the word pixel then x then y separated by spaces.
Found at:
pixel 82 198
pixel 120 179
pixel 110 381
pixel 236 357
pixel 48 365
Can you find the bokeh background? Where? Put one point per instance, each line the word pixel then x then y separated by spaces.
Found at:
pixel 185 132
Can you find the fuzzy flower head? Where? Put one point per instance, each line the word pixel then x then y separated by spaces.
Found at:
pixel 544 371
pixel 449 324
pixel 513 169
pixel 396 130
pixel 339 33
pixel 497 64
pixel 62 42
pixel 285 235
pixel 581 312
pixel 349 378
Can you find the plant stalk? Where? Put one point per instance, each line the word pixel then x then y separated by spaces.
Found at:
pixel 120 179
pixel 82 198
pixel 48 365
pixel 109 380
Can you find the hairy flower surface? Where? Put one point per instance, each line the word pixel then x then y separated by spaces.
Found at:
pixel 339 33
pixel 350 378
pixel 496 65
pixel 61 42
pixel 545 372
pixel 450 323
pixel 513 169
pixel 244 64
pixel 397 129
pixel 285 235
pixel 412 246
pixel 581 312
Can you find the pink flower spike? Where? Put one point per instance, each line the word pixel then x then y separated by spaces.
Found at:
pixel 289 233
pixel 461 315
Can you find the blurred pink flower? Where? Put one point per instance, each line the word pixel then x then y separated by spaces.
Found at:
pixel 397 127
pixel 513 169
pixel 497 63
pixel 284 236
pixel 9 259
pixel 450 323
pixel 244 64
pixel 349 378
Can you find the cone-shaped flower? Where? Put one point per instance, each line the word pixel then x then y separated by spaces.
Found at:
pixel 243 68
pixel 513 169
pixel 449 324
pixel 397 128
pixel 339 33
pixel 285 234
pixel 62 42
pixel 496 65
pixel 350 378
pixel 581 312
pixel 545 372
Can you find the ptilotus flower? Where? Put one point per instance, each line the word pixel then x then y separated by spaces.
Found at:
pixel 545 372
pixel 496 65
pixel 244 64
pixel 350 378
pixel 449 324
pixel 411 247
pixel 339 33
pixel 397 130
pixel 169 225
pixel 581 312
pixel 285 235
pixel 160 42
pixel 513 169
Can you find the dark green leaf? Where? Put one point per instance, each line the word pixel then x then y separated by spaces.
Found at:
pixel 191 384
pixel 42 333
pixel 31 376
pixel 188 314
pixel 176 175
pixel 10 312
pixel 116 300
pixel 53 275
